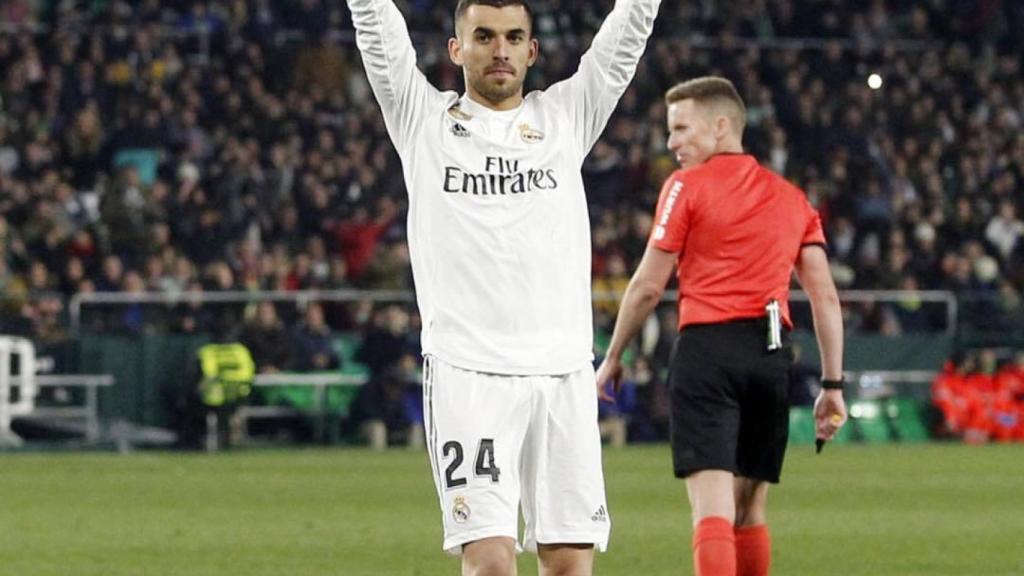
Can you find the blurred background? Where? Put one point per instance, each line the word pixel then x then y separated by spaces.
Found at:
pixel 181 175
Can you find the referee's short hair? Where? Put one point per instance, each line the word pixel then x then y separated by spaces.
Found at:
pixel 715 91
pixel 463 5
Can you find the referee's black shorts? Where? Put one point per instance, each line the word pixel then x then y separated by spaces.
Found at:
pixel 730 400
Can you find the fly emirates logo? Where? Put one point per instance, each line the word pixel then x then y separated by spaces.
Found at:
pixel 500 177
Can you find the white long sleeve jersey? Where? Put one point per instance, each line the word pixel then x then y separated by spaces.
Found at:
pixel 498 229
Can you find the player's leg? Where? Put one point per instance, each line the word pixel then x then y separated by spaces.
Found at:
pixel 475 425
pixel 489 557
pixel 564 505
pixel 565 559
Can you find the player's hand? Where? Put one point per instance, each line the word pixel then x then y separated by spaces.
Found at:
pixel 609 371
pixel 829 413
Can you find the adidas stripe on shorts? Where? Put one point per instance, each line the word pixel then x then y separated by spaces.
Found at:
pixel 497 442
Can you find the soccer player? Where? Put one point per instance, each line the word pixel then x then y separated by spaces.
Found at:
pixel 736 232
pixel 499 240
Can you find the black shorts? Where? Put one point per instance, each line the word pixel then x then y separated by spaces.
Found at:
pixel 730 400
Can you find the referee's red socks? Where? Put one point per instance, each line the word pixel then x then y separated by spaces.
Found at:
pixel 714 547
pixel 753 550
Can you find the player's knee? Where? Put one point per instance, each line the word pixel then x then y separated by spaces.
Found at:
pixel 567 570
pixel 491 566
pixel 566 560
pixel 489 557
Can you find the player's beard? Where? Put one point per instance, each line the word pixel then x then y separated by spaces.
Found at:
pixel 496 92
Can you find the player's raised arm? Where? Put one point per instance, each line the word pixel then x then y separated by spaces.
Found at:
pixel 607 68
pixel 390 62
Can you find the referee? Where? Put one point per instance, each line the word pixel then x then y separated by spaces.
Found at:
pixel 736 232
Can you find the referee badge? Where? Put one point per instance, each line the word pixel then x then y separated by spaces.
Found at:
pixel 460 510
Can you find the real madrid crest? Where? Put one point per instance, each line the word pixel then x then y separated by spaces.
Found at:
pixel 460 510
pixel 530 135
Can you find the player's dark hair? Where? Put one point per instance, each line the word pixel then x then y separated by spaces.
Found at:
pixel 709 90
pixel 464 5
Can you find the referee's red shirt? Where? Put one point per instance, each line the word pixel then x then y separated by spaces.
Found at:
pixel 738 229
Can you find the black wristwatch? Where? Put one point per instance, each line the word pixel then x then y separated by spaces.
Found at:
pixel 832 384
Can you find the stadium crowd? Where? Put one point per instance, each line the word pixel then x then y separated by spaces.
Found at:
pixel 175 146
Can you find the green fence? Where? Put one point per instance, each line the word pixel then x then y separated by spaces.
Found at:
pixel 908 352
pixel 155 372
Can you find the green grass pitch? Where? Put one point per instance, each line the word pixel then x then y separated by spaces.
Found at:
pixel 854 510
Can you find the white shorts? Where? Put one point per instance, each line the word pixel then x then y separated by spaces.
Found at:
pixel 497 440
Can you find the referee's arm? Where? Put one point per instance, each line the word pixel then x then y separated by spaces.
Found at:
pixel 642 296
pixel 815 278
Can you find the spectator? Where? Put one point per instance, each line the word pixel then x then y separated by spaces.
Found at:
pixel 265 337
pixel 390 405
pixel 191 316
pixel 359 235
pixel 1005 229
pixel 387 339
pixel 313 342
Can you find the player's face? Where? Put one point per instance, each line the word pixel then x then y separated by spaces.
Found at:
pixel 691 133
pixel 494 48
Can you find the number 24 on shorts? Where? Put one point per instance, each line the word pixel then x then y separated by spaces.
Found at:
pixel 484 462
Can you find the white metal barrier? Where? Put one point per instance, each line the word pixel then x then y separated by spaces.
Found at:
pixel 892 376
pixel 22 348
pixel 319 382
pixel 28 385
pixel 88 412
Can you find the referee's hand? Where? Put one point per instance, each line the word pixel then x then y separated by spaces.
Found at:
pixel 609 371
pixel 829 414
